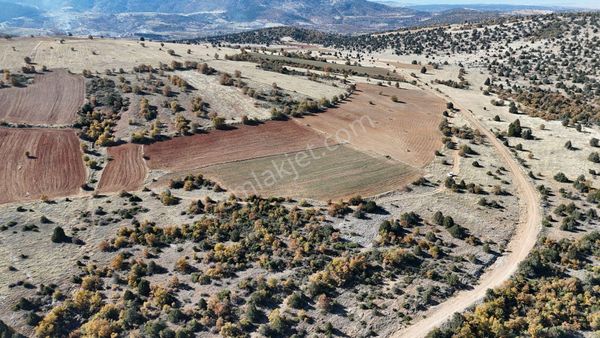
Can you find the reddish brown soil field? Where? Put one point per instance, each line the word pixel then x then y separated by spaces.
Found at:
pixel 54 167
pixel 245 142
pixel 126 171
pixel 406 130
pixel 53 98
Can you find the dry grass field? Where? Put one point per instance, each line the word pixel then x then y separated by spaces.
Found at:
pixel 548 145
pixel 125 171
pixel 53 98
pixel 245 142
pixel 322 174
pixel 406 130
pixel 338 66
pixel 53 168
pixel 410 66
pixel 77 54
pixel 264 80
pixel 229 102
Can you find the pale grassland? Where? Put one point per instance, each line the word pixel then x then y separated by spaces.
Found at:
pixel 264 80
pixel 77 54
pixel 228 102
pixel 549 153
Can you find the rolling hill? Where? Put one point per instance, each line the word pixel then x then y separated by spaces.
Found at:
pixel 171 19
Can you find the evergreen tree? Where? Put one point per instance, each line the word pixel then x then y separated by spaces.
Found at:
pixel 514 129
pixel 59 236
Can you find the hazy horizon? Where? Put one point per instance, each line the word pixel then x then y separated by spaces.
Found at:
pixel 565 3
pixel 575 3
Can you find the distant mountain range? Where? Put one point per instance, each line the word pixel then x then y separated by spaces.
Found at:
pixel 170 19
pixel 499 7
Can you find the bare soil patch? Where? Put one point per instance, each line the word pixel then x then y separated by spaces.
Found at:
pixel 53 98
pixel 406 130
pixel 323 174
pixel 53 168
pixel 244 142
pixel 125 171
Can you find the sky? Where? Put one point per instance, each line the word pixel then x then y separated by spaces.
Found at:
pixel 569 3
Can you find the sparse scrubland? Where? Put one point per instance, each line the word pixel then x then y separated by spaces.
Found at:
pixel 358 186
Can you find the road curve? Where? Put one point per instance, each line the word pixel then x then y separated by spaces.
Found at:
pixel 522 242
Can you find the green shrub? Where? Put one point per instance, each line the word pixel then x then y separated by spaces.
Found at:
pixel 59 236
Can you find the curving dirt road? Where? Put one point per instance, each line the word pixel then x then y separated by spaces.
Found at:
pixel 523 240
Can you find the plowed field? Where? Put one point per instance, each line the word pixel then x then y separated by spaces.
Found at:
pixel 245 142
pixel 53 168
pixel 406 130
pixel 54 98
pixel 126 171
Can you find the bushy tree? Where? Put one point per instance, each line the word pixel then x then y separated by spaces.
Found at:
pixel 438 218
pixel 569 145
pixel 448 221
pixel 59 236
pixel 514 129
pixel 561 177
pixel 512 108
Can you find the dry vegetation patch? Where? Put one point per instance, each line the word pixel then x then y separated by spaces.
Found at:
pixel 228 102
pixel 374 72
pixel 264 79
pixel 78 54
pixel 410 66
pixel 39 162
pixel 53 98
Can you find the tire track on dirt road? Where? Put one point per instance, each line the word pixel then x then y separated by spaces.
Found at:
pixel 518 249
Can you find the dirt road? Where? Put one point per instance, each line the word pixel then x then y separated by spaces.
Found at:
pixel 522 242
